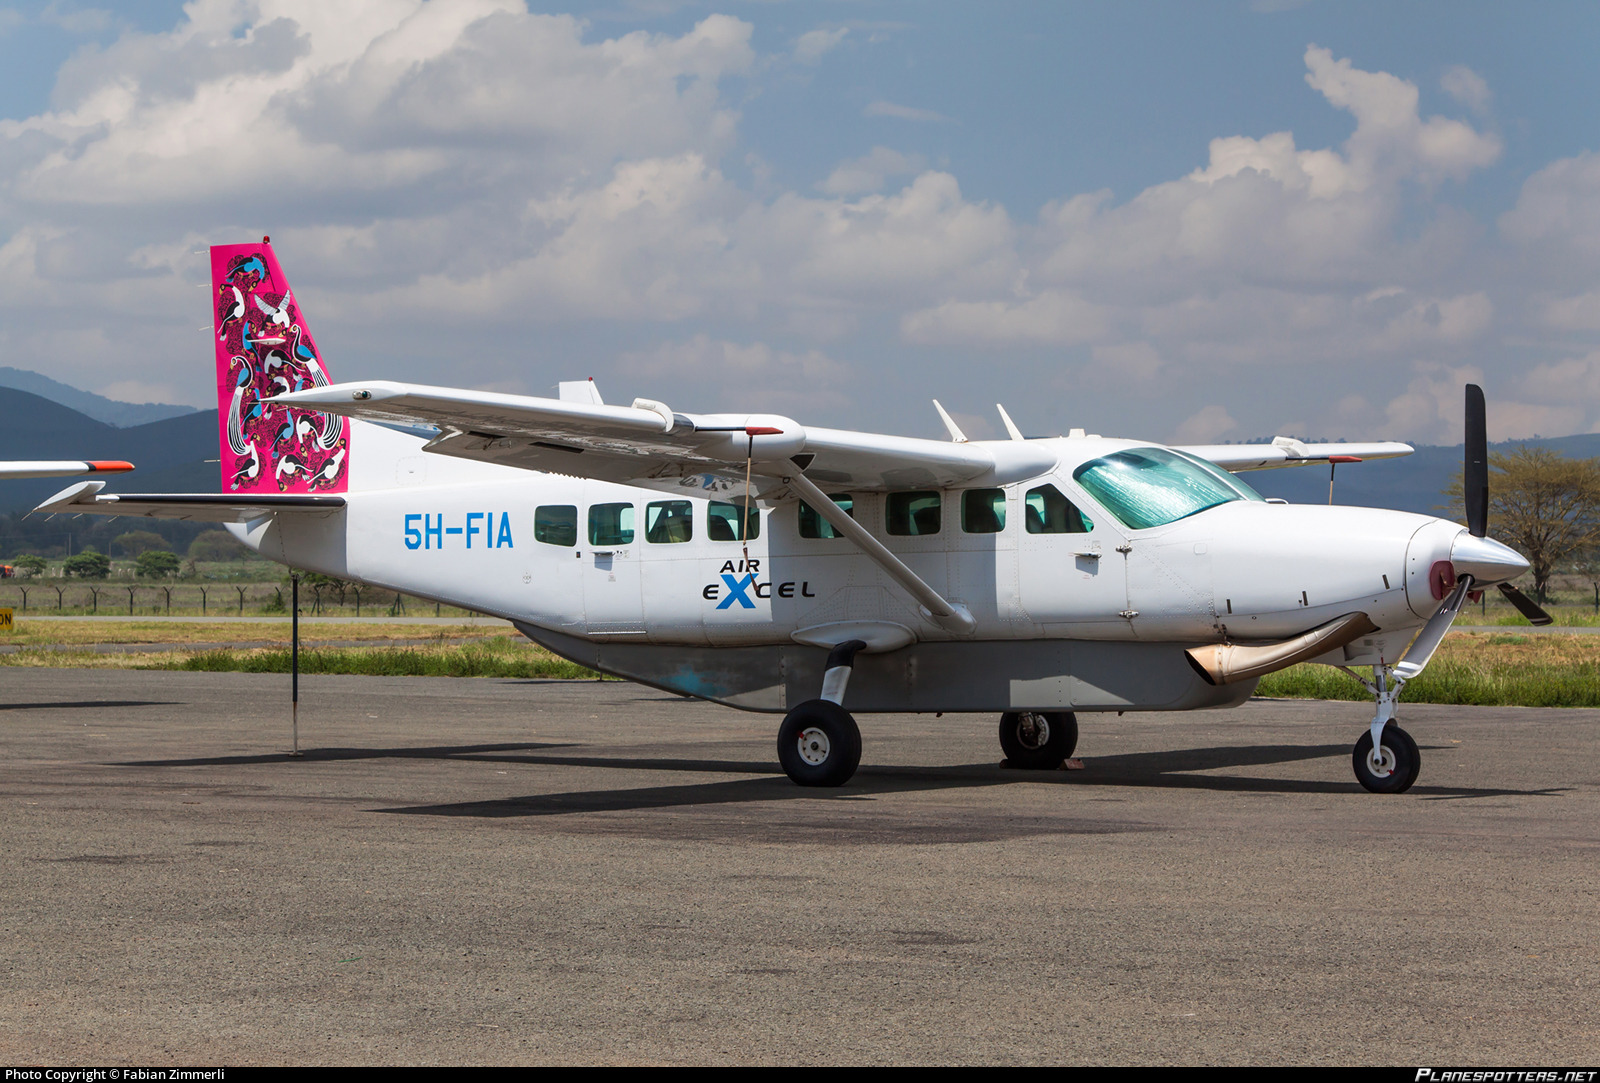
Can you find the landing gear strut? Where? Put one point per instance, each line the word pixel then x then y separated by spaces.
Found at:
pixel 819 743
pixel 1386 759
pixel 1038 740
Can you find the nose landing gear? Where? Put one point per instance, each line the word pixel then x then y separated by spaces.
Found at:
pixel 1391 766
pixel 1386 759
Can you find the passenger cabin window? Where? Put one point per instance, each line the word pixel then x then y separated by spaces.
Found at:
pixel 914 513
pixel 813 525
pixel 722 522
pixel 1048 512
pixel 556 524
pixel 611 524
pixel 667 522
pixel 983 511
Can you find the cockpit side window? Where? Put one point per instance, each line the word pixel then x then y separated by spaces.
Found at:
pixel 1047 511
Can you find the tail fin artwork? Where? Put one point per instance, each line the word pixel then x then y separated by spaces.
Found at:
pixel 264 349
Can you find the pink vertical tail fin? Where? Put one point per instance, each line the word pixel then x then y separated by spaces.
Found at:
pixel 264 348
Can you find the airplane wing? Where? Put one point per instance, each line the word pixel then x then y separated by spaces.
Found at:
pixel 1287 451
pixel 649 444
pixel 65 469
pixel 198 507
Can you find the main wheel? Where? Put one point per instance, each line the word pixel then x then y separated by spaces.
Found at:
pixel 819 744
pixel 1038 740
pixel 1393 767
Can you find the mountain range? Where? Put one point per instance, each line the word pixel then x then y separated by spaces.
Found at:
pixel 120 414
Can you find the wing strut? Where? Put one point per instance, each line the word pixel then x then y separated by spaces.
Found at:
pixel 951 616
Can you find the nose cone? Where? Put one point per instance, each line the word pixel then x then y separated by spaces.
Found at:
pixel 1485 559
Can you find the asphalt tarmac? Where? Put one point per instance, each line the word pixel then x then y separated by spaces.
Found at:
pixel 474 871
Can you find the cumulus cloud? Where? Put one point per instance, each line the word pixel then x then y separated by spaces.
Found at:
pixel 1467 87
pixel 810 46
pixel 458 186
pixel 752 376
pixel 881 108
pixel 1205 426
pixel 868 173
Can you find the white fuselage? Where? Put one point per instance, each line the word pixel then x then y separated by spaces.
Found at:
pixel 463 533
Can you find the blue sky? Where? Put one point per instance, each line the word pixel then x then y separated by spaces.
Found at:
pixel 1176 221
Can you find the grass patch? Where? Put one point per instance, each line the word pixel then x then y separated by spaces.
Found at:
pixel 1481 670
pixel 30 633
pixel 500 656
pixel 1566 616
pixel 497 656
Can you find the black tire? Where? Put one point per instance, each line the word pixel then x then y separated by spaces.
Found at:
pixel 1038 740
pixel 819 744
pixel 1402 759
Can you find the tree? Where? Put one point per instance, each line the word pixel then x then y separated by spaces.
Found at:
pixel 135 542
pixel 87 565
pixel 29 565
pixel 1543 504
pixel 217 545
pixel 157 564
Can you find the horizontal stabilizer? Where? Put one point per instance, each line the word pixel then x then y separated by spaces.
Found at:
pixel 86 498
pixel 66 469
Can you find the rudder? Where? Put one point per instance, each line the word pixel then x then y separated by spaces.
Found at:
pixel 264 348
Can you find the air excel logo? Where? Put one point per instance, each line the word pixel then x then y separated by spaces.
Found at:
pixel 740 581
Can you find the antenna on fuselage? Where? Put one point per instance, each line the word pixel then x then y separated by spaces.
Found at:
pixel 1011 426
pixel 950 423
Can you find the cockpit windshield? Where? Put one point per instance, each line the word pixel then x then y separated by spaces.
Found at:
pixel 1151 486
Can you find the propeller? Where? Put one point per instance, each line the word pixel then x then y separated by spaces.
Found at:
pixel 1475 469
pixel 1475 494
pixel 1526 605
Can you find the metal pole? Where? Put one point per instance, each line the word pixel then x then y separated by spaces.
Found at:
pixel 294 660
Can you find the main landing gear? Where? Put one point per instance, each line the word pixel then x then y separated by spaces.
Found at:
pixel 1038 740
pixel 819 743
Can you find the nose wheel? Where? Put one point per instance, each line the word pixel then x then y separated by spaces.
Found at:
pixel 1389 767
pixel 1038 740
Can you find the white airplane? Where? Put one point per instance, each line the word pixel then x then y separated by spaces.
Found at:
pixel 749 560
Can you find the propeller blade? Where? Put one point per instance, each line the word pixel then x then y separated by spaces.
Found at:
pixel 1526 605
pixel 1475 468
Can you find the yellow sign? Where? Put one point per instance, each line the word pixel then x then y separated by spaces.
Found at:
pixel 5 620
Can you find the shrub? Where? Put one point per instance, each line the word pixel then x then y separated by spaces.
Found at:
pixel 28 565
pixel 157 564
pixel 87 565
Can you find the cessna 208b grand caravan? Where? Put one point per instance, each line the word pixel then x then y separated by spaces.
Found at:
pixel 759 563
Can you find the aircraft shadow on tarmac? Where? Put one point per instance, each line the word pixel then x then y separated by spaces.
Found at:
pixel 1171 769
pixel 1167 769
pixel 87 704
